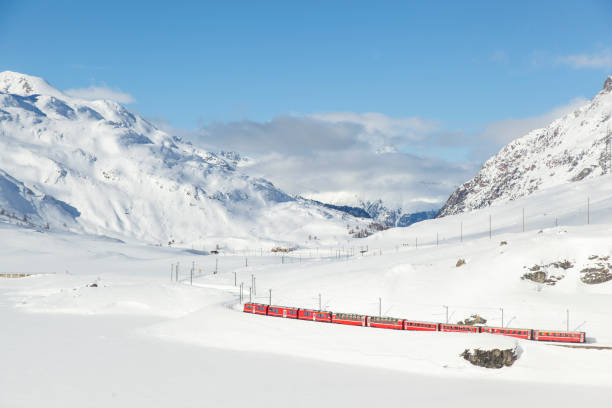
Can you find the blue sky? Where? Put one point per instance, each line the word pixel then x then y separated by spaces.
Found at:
pixel 193 63
pixel 452 81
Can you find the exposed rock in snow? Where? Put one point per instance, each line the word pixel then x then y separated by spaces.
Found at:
pixel 570 149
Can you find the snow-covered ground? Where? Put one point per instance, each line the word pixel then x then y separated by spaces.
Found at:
pixel 138 338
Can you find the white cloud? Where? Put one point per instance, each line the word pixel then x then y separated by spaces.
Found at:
pixel 101 92
pixel 600 59
pixel 338 156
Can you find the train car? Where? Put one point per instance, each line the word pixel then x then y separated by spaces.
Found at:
pixel 518 333
pixel 385 322
pixel 283 311
pixel 559 335
pixel 350 319
pixel 421 326
pixel 256 308
pixel 315 315
pixel 459 328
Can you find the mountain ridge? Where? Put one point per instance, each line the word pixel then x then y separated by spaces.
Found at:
pixel 570 149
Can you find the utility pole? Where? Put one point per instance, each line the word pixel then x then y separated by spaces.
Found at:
pixel 588 210
pixel 379 307
pixel 446 307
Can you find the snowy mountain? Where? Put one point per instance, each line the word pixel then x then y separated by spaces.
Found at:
pixel 394 217
pixel 95 167
pixel 572 148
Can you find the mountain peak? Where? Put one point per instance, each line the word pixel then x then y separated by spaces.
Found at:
pixel 607 87
pixel 25 85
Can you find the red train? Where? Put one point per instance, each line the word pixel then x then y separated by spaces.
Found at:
pixel 403 324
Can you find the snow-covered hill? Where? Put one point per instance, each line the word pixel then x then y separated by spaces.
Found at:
pixel 106 170
pixel 570 149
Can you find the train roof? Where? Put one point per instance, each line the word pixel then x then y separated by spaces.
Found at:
pixel 420 321
pixel 559 331
pixel 503 328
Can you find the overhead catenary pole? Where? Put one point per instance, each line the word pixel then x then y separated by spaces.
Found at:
pixel 379 307
pixel 250 295
pixel 241 289
pixel 588 210
pixel 567 318
pixel 270 298
pixel 235 278
pixel 319 301
pixel 446 307
pixel 216 265
pixel 436 239
pixel 502 316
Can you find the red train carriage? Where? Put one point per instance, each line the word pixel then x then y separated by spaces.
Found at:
pixel 421 326
pixel 283 311
pixel 256 308
pixel 564 336
pixel 519 333
pixel 459 328
pixel 314 315
pixel 350 319
pixel 385 322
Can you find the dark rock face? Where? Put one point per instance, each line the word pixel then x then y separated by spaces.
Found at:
pixel 472 320
pixel 599 271
pixel 495 358
pixel 608 84
pixel 545 273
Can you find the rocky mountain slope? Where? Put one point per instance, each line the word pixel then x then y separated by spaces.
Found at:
pixel 95 167
pixel 572 148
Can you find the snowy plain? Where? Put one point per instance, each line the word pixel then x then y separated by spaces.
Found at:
pixel 140 339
